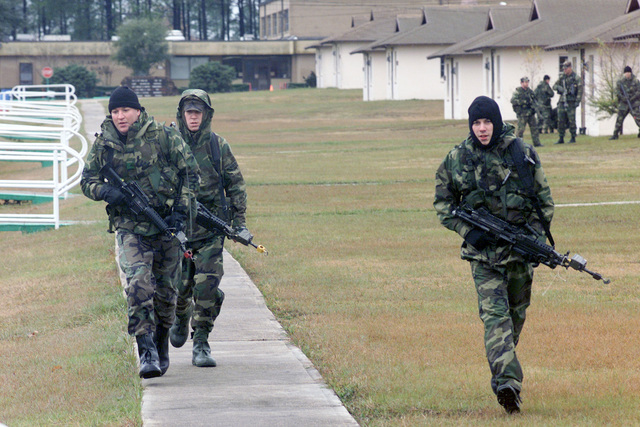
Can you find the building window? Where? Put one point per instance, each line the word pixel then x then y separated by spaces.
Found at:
pixel 263 27
pixel 442 70
pixel 285 20
pixel 563 59
pixel 274 24
pixel 26 73
pixel 181 66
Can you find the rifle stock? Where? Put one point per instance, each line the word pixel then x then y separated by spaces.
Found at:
pixel 523 241
pixel 211 222
pixel 138 203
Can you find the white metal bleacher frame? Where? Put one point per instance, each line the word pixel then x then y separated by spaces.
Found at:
pixel 28 116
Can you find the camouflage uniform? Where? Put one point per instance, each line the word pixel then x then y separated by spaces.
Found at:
pixel 486 176
pixel 544 93
pixel 572 84
pixel 202 275
pixel 524 104
pixel 156 157
pixel 632 89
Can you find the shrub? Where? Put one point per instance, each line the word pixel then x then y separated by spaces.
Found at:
pixel 311 79
pixel 83 80
pixel 212 77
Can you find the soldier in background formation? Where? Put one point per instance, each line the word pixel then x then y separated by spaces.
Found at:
pixel 628 94
pixel 569 87
pixel 524 104
pixel 154 156
pixel 544 93
pixel 502 277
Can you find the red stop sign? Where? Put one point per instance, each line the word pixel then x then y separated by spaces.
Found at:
pixel 47 72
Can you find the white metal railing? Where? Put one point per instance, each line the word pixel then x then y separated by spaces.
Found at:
pixel 55 122
pixel 65 92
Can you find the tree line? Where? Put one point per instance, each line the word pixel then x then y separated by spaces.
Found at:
pixel 100 19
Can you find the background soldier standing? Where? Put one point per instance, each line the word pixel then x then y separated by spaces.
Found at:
pixel 524 104
pixel 544 93
pixel 628 93
pixel 155 157
pixel 569 87
pixel 222 191
pixel 481 172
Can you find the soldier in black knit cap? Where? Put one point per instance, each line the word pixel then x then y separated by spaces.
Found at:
pixel 144 151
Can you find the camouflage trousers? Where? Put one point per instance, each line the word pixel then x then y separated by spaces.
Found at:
pixel 623 110
pixel 528 119
pixel 544 119
pixel 201 277
pixel 567 119
pixel 504 293
pixel 151 266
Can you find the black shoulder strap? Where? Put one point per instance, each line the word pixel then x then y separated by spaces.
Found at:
pixel 216 159
pixel 519 159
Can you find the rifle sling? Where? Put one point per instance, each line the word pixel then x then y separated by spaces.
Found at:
pixel 517 154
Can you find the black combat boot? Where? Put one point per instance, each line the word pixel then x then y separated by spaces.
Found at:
pixel 202 354
pixel 179 332
pixel 572 140
pixel 149 363
pixel 615 136
pixel 560 140
pixel 161 340
pixel 509 399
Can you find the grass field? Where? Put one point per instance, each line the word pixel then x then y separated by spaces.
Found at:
pixel 360 273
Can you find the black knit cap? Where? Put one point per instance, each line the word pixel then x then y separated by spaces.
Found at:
pixel 627 69
pixel 123 97
pixel 484 107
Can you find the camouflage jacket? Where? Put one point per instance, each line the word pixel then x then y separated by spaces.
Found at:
pixel 572 85
pixel 632 88
pixel 233 182
pixel 476 177
pixel 544 93
pixel 523 101
pixel 154 156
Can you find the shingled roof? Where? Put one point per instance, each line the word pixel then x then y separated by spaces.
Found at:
pixel 380 25
pixel 500 20
pixel 443 26
pixel 553 20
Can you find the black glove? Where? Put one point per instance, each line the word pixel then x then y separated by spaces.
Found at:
pixel 478 239
pixel 176 220
pixel 113 196
pixel 243 233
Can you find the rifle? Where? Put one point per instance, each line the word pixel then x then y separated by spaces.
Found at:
pixel 523 241
pixel 564 94
pixel 138 203
pixel 208 220
pixel 626 97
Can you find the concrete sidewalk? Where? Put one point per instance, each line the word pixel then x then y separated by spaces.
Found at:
pixel 261 379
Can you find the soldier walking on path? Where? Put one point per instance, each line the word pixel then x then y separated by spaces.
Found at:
pixel 544 93
pixel 569 87
pixel 154 157
pixel 481 173
pixel 222 191
pixel 628 94
pixel 524 104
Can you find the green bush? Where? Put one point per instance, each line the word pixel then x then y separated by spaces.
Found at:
pixel 241 87
pixel 83 80
pixel 212 77
pixel 296 85
pixel 310 80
